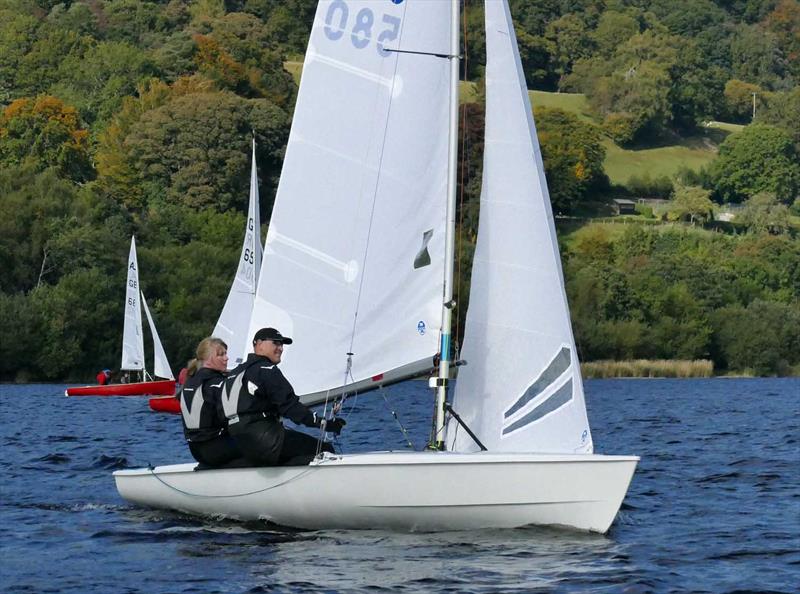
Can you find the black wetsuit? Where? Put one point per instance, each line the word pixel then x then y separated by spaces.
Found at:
pixel 255 398
pixel 204 423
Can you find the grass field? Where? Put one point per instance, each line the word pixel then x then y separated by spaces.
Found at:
pixel 620 164
pixel 574 102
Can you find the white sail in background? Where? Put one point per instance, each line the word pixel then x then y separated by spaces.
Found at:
pixel 353 261
pixel 132 338
pixel 521 389
pixel 233 323
pixel 161 366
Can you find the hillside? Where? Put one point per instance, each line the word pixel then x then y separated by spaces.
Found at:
pixel 123 118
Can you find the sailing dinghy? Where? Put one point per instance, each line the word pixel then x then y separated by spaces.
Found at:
pixel 364 217
pixel 233 323
pixel 133 347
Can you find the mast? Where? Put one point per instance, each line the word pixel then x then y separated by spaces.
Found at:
pixel 440 382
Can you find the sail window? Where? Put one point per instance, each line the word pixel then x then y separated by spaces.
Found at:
pixel 423 257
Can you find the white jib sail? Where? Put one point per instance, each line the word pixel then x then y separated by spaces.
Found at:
pixel 521 389
pixel 353 261
pixel 132 338
pixel 233 323
pixel 161 366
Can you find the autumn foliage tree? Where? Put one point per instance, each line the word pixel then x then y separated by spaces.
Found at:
pixel 573 156
pixel 46 132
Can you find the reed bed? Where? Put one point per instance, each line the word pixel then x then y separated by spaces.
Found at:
pixel 648 368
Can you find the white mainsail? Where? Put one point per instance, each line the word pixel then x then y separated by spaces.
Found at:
pixel 232 326
pixel 161 366
pixel 132 338
pixel 521 389
pixel 353 260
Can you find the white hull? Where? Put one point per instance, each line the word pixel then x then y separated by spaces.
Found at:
pixel 414 491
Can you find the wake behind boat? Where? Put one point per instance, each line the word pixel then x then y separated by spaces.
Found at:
pixel 360 219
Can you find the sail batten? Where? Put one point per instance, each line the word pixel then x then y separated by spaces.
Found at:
pixel 521 390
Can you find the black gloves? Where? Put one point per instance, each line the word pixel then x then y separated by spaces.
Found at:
pixel 335 425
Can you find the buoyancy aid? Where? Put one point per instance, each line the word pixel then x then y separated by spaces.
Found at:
pixel 201 409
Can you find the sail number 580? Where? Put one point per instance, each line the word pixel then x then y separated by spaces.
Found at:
pixel 337 23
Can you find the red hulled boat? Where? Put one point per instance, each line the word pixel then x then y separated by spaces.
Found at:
pixel 151 388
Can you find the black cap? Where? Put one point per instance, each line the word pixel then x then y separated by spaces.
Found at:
pixel 271 334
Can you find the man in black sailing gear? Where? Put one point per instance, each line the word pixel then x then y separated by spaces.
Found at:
pixel 204 424
pixel 257 396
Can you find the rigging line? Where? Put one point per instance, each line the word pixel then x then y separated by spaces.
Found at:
pixel 375 188
pixel 397 418
pixel 182 492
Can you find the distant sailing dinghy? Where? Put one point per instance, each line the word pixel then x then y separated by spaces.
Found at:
pixel 233 324
pixel 361 246
pixel 133 347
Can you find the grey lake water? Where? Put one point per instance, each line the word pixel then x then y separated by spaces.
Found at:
pixel 713 507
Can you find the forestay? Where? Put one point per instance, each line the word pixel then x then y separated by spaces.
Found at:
pixel 353 260
pixel 132 339
pixel 161 366
pixel 521 389
pixel 233 323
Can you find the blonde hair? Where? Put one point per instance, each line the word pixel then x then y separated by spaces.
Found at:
pixel 207 348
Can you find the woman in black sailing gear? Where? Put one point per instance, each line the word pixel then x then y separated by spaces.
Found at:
pixel 257 396
pixel 204 424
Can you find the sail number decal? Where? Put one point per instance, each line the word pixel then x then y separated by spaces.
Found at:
pixel 362 27
pixel 247 256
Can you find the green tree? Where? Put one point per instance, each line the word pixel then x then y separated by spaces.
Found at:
pixel 39 69
pixel 237 54
pixel 570 41
pixel 764 214
pixel 573 156
pixel 687 18
pixel 633 90
pixel 35 207
pixel 79 310
pixel 763 338
pixel 77 17
pixel 130 21
pixel 97 80
pixel 614 29
pixel 782 110
pixel 691 204
pixel 784 23
pixel 174 57
pixel 757 58
pixel 20 319
pixel 194 149
pixel 739 99
pixel 17 36
pixel 761 158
